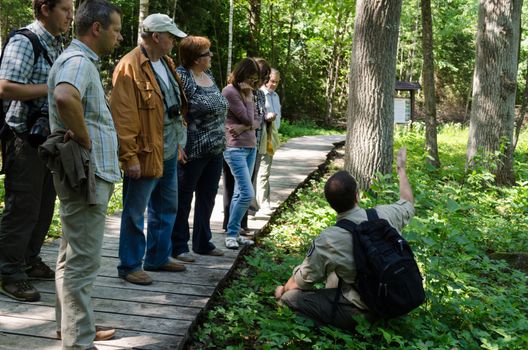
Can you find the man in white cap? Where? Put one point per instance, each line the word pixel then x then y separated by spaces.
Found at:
pixel 148 106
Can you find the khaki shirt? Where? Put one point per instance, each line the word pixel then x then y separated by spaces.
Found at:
pixel 331 254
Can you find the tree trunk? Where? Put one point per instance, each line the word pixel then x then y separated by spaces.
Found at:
pixel 284 76
pixel 230 40
pixel 271 26
pixel 143 12
pixel 254 28
pixel 519 120
pixel 369 142
pixel 410 57
pixel 175 8
pixel 429 85
pixel 2 26
pixel 494 88
pixel 333 66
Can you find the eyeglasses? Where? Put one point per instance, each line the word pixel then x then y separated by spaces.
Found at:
pixel 207 54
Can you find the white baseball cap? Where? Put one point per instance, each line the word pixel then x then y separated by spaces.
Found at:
pixel 159 22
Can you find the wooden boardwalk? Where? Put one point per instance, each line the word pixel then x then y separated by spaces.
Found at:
pixel 158 316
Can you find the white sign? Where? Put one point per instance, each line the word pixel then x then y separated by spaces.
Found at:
pixel 402 110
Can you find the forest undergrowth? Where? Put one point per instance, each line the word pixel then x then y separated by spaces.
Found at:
pixel 473 301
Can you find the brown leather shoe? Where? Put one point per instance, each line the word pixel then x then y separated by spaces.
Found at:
pixel 171 266
pixel 139 277
pixel 101 333
pixel 215 252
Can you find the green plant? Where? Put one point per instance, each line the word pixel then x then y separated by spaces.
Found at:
pixel 473 302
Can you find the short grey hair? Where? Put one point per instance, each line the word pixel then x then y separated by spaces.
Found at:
pixel 92 11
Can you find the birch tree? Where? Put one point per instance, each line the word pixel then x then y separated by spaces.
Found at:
pixel 143 12
pixel 230 39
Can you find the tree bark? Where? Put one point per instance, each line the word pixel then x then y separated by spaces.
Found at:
pixel 369 142
pixel 254 28
pixel 175 8
pixel 284 74
pixel 230 40
pixel 519 120
pixel 429 85
pixel 494 88
pixel 143 13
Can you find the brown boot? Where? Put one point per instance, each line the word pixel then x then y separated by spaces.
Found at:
pixel 21 290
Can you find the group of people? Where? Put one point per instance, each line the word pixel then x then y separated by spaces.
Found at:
pixel 165 131
pixel 171 131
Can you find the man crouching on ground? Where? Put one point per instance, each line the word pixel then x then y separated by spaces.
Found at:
pixel 331 256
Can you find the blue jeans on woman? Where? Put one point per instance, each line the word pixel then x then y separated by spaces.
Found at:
pixel 200 175
pixel 161 196
pixel 241 161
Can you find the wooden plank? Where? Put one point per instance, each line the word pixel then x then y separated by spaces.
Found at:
pixel 161 325
pixel 168 311
pixel 49 255
pixel 135 295
pixel 24 333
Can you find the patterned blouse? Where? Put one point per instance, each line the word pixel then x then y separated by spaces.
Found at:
pixel 207 114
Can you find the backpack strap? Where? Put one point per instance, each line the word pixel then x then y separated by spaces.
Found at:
pixel 350 226
pixel 38 49
pixel 372 214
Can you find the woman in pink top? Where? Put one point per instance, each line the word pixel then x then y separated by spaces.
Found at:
pixel 241 122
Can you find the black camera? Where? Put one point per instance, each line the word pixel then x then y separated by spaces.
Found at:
pixel 174 112
pixel 40 130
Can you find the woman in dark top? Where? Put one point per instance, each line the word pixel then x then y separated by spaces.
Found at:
pixel 201 166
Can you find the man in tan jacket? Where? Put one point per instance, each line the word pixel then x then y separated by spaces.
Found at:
pixel 148 105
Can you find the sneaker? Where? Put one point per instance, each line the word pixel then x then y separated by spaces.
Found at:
pixel 101 333
pixel 21 290
pixel 244 241
pixel 139 277
pixel 40 271
pixel 186 257
pixel 264 211
pixel 215 252
pixel 170 266
pixel 231 243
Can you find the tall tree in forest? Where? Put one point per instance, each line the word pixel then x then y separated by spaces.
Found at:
pixel 494 88
pixel 369 141
pixel 174 9
pixel 254 28
pixel 143 12
pixel 230 39
pixel 429 85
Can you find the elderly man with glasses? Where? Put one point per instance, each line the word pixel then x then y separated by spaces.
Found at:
pixel 148 105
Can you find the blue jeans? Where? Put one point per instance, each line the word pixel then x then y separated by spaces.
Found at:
pixel 200 176
pixel 241 161
pixel 161 196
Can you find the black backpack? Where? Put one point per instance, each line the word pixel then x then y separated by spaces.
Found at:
pixel 38 50
pixel 388 279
